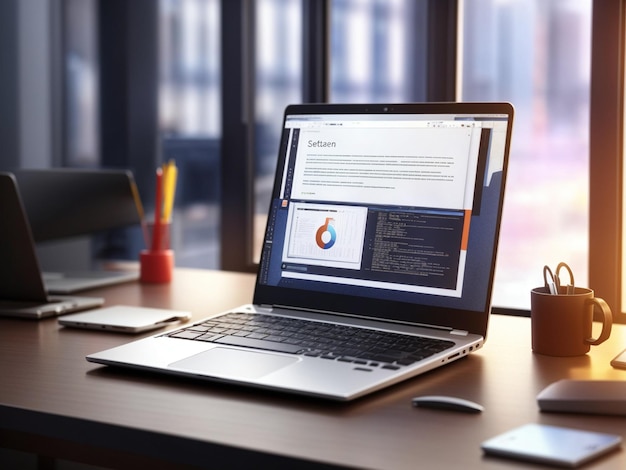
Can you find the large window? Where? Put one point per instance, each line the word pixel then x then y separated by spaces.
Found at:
pixel 228 68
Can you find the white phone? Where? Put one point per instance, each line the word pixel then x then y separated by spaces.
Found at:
pixel 619 361
pixel 125 319
pixel 554 445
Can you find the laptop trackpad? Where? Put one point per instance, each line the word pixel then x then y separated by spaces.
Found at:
pixel 233 363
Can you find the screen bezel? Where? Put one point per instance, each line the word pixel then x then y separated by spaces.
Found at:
pixel 454 318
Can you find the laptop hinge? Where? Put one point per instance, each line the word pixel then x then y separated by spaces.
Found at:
pixel 266 307
pixel 459 332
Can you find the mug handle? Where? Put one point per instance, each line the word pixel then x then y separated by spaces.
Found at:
pixel 607 321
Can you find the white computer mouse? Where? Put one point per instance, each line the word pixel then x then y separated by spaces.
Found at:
pixel 445 402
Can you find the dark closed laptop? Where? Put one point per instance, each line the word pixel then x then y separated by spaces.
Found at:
pixel 62 203
pixel 378 258
pixel 22 292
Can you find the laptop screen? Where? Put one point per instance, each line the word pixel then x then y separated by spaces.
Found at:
pixel 378 209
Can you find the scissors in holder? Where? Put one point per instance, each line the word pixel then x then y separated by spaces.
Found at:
pixel 552 281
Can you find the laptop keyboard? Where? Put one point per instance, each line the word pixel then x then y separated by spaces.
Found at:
pixel 310 338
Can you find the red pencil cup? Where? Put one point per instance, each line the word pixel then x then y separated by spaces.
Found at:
pixel 156 266
pixel 157 262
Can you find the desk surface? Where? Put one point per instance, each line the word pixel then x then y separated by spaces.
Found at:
pixel 53 402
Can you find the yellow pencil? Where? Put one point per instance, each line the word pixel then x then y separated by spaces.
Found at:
pixel 169 189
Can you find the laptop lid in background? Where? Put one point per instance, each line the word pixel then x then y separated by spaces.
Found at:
pixel 388 212
pixel 22 292
pixel 20 278
pixel 65 203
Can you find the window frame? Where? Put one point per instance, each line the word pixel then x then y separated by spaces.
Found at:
pixel 237 169
pixel 606 153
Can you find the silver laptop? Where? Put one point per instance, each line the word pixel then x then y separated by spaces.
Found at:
pixel 22 292
pixel 378 258
pixel 64 203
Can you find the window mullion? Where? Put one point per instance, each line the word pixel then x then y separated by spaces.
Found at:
pixel 605 147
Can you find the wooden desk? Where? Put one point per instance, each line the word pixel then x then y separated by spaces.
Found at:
pixel 55 403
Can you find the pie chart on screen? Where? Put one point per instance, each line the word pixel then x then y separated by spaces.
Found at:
pixel 326 235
